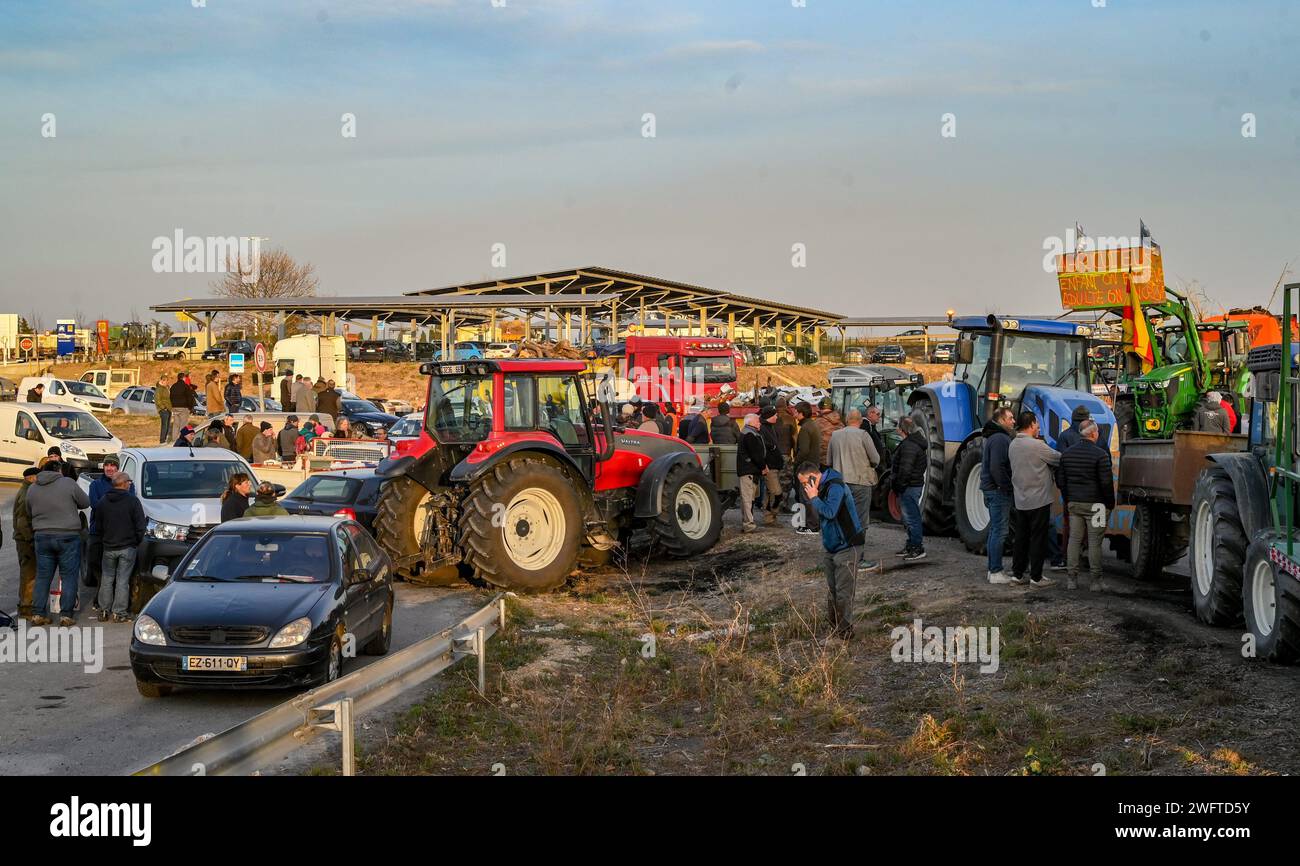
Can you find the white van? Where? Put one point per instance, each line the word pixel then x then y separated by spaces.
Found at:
pixel 29 430
pixel 182 347
pixel 113 381
pixel 67 392
pixel 310 355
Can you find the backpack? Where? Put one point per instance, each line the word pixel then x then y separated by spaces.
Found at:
pixel 854 537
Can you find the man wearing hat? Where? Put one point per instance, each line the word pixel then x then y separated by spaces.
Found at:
pixel 264 447
pixel 768 428
pixel 25 541
pixel 751 468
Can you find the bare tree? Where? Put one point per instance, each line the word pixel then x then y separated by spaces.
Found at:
pixel 278 276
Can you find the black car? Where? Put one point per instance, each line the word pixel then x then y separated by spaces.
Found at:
pixel 351 493
pixel 381 350
pixel 366 414
pixel 225 348
pixel 890 353
pixel 266 602
pixel 805 355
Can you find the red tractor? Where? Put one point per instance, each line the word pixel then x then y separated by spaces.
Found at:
pixel 521 471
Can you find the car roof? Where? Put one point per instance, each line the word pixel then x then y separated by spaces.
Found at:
pixel 171 452
pixel 280 523
pixel 361 474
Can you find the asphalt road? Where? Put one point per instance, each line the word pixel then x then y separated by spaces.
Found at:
pixel 58 719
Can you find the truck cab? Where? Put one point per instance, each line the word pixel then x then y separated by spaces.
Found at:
pixel 678 369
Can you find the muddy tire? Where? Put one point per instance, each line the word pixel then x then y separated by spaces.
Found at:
pixel 1271 604
pixel 690 517
pixel 399 527
pixel 1148 554
pixel 520 526
pixel 1218 554
pixel 936 509
pixel 1125 420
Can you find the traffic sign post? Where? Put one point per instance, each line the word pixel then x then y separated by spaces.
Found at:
pixel 236 360
pixel 259 361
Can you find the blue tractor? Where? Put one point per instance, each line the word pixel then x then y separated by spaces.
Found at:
pixel 1035 364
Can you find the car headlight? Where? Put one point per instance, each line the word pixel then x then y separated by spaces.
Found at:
pixel 71 450
pixel 165 531
pixel 292 634
pixel 148 631
pixel 78 400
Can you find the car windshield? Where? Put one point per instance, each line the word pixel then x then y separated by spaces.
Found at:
pixel 189 479
pixel 711 370
pixel 406 427
pixel 85 389
pixel 174 342
pixel 460 408
pixel 360 406
pixel 256 557
pixel 72 425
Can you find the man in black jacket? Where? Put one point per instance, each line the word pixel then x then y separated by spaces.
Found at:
pixel 995 483
pixel 1069 438
pixel 907 481
pixel 751 467
pixel 1088 486
pixel 121 522
pixel 770 430
pixel 183 402
pixel 723 430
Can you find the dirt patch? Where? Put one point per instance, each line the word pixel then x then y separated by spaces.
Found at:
pixel 740 678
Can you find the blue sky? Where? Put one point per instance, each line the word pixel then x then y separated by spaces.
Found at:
pixel 521 125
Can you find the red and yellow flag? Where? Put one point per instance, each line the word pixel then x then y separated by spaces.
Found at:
pixel 1137 332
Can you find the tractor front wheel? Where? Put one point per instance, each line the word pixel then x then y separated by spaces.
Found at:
pixel 1218 549
pixel 520 525
pixel 401 514
pixel 1272 604
pixel 690 515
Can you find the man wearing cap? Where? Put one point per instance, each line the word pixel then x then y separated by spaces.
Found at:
pixel 25 541
pixel 287 440
pixel 264 446
pixel 769 429
pixel 185 439
pixel 751 467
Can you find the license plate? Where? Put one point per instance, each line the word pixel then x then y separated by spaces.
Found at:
pixel 214 663
pixel 453 369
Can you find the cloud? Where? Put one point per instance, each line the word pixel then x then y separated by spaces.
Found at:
pixel 714 48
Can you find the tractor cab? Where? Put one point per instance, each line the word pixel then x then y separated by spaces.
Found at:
pixel 860 386
pixel 1041 365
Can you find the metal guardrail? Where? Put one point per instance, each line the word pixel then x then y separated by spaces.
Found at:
pixel 269 737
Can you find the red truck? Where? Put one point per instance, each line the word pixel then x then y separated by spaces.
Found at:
pixel 672 369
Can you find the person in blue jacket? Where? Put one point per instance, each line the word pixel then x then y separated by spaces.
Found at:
pixel 842 539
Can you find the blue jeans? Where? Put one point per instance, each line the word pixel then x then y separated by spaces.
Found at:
pixel 115 580
pixel 911 501
pixel 999 505
pixel 61 550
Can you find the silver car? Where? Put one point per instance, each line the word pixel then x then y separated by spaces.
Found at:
pixel 136 400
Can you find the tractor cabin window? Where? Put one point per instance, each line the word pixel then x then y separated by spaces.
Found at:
pixel 550 403
pixel 460 408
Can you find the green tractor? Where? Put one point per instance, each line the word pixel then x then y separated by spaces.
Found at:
pixel 1155 404
pixel 1244 562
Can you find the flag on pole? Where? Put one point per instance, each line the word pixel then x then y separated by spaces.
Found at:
pixel 1145 238
pixel 1079 237
pixel 1137 333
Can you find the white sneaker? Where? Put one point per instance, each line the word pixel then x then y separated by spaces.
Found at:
pixel 998 577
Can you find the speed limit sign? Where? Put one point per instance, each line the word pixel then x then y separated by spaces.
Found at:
pixel 259 358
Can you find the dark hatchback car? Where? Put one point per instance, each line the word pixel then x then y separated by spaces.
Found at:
pixel 266 602
pixel 350 493
pixel 890 353
pixel 381 350
pixel 223 350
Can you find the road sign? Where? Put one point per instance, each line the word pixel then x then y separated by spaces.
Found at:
pixel 259 358
pixel 236 362
pixel 27 344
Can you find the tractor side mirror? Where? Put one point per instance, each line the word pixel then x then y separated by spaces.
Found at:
pixel 964 351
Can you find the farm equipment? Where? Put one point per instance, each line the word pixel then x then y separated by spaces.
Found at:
pixel 519 473
pixel 889 388
pixel 1244 508
pixel 1035 364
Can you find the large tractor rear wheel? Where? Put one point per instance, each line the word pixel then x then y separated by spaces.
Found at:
pixel 1272 604
pixel 936 510
pixel 1218 557
pixel 690 517
pixel 402 511
pixel 520 525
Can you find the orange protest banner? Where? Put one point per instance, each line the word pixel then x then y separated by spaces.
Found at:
pixel 1100 279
